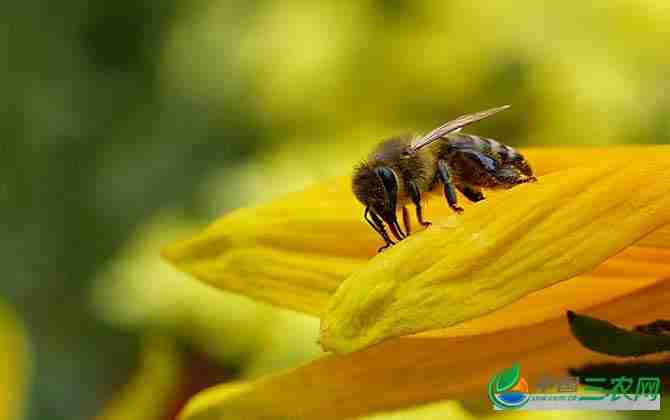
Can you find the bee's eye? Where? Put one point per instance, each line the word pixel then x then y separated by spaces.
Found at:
pixel 390 185
pixel 388 178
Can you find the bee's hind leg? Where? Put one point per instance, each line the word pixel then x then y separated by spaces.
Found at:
pixel 471 193
pixel 415 196
pixel 449 193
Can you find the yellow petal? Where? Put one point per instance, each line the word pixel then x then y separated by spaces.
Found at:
pixel 417 369
pixel 154 388
pixel 15 370
pixel 295 251
pixel 452 410
pixel 435 411
pixel 631 270
pixel 205 404
pixel 290 252
pixel 533 236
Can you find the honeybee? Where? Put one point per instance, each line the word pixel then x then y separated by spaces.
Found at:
pixel 402 168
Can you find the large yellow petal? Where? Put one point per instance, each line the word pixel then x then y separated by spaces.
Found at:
pixel 295 251
pixel 447 363
pixel 418 369
pixel 501 249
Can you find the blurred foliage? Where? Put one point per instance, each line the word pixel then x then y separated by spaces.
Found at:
pixel 114 111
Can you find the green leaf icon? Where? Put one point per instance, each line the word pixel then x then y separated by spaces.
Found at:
pixel 507 378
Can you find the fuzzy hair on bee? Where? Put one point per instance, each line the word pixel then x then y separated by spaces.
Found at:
pixel 399 170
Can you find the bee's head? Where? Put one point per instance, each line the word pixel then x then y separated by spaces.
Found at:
pixel 368 186
pixel 377 189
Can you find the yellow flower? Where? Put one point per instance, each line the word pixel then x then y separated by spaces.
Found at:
pixel 485 289
pixel 15 372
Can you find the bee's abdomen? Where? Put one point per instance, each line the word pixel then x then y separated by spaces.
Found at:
pixel 485 145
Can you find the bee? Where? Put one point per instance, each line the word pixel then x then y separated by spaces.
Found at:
pixel 402 168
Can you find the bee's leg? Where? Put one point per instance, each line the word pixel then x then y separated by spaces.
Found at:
pixel 405 220
pixel 396 229
pixel 377 224
pixel 382 231
pixel 445 178
pixel 415 196
pixel 471 193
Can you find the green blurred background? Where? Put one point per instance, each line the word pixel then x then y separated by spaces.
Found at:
pixel 128 124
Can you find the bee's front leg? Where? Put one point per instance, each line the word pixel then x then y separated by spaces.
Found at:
pixel 445 178
pixel 378 225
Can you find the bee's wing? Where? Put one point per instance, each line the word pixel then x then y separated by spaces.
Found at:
pixel 454 125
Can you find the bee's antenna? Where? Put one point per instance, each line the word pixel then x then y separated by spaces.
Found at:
pixel 454 125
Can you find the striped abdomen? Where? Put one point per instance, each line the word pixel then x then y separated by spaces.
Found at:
pixel 490 147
